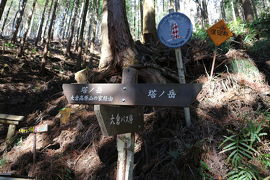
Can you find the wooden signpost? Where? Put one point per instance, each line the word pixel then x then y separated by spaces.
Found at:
pixel 175 30
pixel 218 33
pixel 35 129
pixel 123 115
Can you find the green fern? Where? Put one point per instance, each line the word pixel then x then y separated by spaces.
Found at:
pixel 253 131
pixel 238 148
pixel 265 160
pixel 242 173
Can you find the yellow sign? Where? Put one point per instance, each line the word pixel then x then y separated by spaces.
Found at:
pixel 219 32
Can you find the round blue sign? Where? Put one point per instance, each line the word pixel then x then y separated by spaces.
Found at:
pixel 174 30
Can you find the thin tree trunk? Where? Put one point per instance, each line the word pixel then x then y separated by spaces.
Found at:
pixel 48 40
pixel 68 52
pixel 248 12
pixel 117 50
pixel 222 10
pixel 149 23
pixel 254 8
pixel 79 27
pixel 19 20
pixel 47 22
pixel 31 26
pixel 81 34
pixel 6 17
pixel 141 15
pixel 2 7
pixel 177 5
pixel 63 24
pixel 66 31
pixel 41 23
pixel 233 11
pixel 27 29
pixel 205 12
pixel 89 34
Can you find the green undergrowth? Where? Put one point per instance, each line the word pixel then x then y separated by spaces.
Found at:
pixel 245 148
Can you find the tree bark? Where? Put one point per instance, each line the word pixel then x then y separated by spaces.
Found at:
pixel 6 17
pixel 79 26
pixel 47 22
pixel 222 10
pixel 2 7
pixel 117 50
pixel 41 23
pixel 27 29
pixel 63 24
pixel 248 12
pixel 81 34
pixel 177 5
pixel 47 44
pixel 68 52
pixel 67 28
pixel 19 20
pixel 254 8
pixel 149 23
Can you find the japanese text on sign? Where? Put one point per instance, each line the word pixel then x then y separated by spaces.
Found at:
pixel 118 119
pixel 219 33
pixel 153 93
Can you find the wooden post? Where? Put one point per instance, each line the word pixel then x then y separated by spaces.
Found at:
pixel 213 63
pixel 34 148
pixel 126 142
pixel 11 131
pixel 182 80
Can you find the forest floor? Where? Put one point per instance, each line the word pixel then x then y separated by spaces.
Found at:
pixel 165 149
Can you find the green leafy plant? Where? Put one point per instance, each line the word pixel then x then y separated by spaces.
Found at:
pixel 243 173
pixel 204 171
pixel 265 160
pixel 238 147
pixel 3 161
pixel 10 45
pixel 241 148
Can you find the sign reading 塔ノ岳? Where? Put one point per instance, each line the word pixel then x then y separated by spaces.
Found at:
pixel 174 30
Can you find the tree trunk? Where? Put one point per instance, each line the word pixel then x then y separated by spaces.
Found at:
pixel 6 17
pixel 79 26
pixel 68 52
pixel 117 50
pixel 63 24
pixel 222 10
pixel 2 7
pixel 89 32
pixel 205 12
pixel 81 34
pixel 149 23
pixel 41 23
pixel 31 26
pixel 27 29
pixel 67 28
pixel 47 22
pixel 254 8
pixel 48 40
pixel 177 5
pixel 19 20
pixel 248 12
pixel 233 11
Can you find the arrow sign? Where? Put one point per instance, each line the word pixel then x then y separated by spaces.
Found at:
pixel 181 95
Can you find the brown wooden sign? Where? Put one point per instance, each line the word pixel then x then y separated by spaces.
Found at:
pixel 118 120
pixel 181 95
